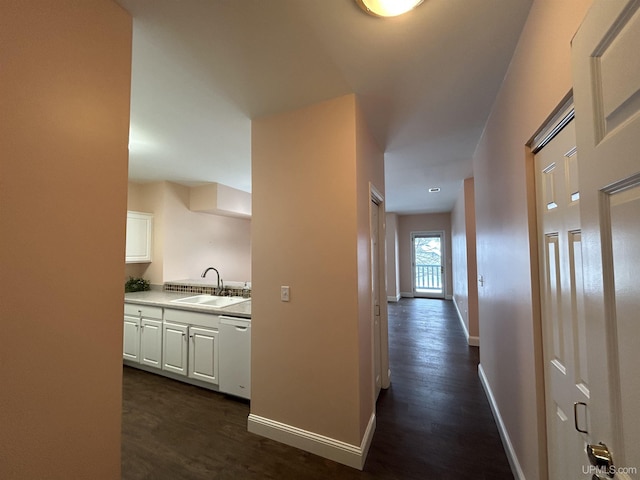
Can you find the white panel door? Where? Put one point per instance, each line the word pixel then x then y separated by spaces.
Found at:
pixel 151 342
pixel 375 293
pixel 203 354
pixel 138 239
pixel 561 291
pixel 606 68
pixel 174 351
pixel 131 338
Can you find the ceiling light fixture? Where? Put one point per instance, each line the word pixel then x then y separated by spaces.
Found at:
pixel 387 8
pixel 434 189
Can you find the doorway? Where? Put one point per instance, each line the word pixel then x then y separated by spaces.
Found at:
pixel 379 319
pixel 375 294
pixel 427 250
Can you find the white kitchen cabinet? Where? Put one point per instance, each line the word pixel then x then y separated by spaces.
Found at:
pixel 191 351
pixel 139 234
pixel 142 335
pixel 186 345
pixel 131 338
pixel 175 345
pixel 203 354
pixel 151 342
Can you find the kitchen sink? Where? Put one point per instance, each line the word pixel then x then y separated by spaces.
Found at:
pixel 210 301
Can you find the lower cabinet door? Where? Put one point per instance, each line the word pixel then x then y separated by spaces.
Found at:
pixel 131 339
pixel 174 358
pixel 203 354
pixel 151 342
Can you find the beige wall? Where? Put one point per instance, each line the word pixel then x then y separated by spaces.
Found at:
pixel 186 242
pixel 148 198
pixel 538 78
pixel 195 241
pixel 308 357
pixel 428 222
pixel 463 257
pixel 393 267
pixel 65 76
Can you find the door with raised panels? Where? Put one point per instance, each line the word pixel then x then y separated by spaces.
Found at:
pixel 151 342
pixel 561 292
pixel 375 287
pixel 203 354
pixel 174 348
pixel 131 338
pixel 606 68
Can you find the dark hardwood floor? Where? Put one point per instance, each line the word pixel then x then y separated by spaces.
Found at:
pixel 433 423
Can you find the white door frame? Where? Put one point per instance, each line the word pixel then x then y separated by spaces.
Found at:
pixel 376 197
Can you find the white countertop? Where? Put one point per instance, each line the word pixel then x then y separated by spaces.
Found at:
pixel 163 299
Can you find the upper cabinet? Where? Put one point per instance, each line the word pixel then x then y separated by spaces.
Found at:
pixel 139 234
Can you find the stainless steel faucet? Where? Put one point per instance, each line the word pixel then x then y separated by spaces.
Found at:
pixel 220 282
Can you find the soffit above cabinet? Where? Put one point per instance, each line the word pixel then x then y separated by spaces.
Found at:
pixel 219 199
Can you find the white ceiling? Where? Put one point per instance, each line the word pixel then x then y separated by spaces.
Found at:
pixel 202 69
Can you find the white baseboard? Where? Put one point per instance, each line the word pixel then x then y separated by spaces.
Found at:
pixel 336 450
pixel 394 299
pixel 448 297
pixel 406 294
pixel 473 341
pixel 516 469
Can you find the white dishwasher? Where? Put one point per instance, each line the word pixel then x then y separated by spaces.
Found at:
pixel 235 356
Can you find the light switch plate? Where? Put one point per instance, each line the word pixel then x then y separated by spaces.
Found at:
pixel 284 293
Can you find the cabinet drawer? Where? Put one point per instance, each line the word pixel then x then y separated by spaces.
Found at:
pixel 146 311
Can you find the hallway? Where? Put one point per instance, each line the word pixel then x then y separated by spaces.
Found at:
pixel 434 421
